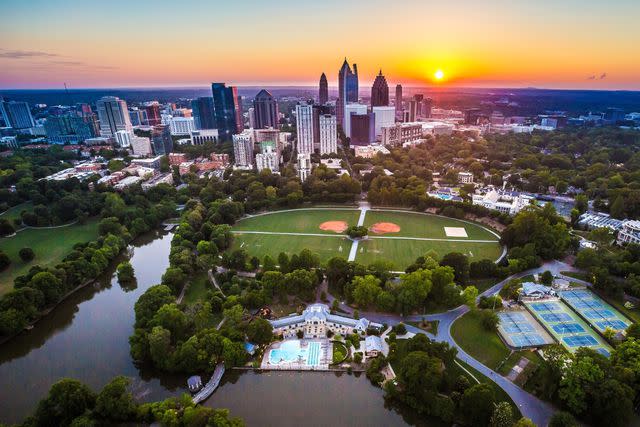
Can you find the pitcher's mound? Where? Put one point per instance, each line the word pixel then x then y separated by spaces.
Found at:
pixel 335 226
pixel 384 227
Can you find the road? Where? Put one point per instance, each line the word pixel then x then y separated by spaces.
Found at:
pixel 538 411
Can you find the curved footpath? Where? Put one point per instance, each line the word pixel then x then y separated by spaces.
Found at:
pixel 530 406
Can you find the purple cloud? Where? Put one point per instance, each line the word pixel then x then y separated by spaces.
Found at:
pixel 21 54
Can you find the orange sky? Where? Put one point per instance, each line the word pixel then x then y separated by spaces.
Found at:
pixel 559 44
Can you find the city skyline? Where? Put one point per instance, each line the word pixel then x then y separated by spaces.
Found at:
pixel 589 44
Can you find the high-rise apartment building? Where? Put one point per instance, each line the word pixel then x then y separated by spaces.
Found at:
pixel 181 125
pixel 243 149
pixel 17 114
pixel 328 127
pixel 384 116
pixel 203 113
pixel 268 157
pixel 154 117
pixel 137 117
pixel 265 110
pixel 113 116
pixel 323 94
pixel 380 91
pixel 123 138
pixel 304 125
pixel 349 110
pixel 318 110
pixel 69 129
pixel 362 129
pixel 161 139
pixel 304 166
pixel 226 110
pixel 347 89
pixel 427 105
pixel 141 146
pixel 399 106
pixel 418 98
pixel 413 110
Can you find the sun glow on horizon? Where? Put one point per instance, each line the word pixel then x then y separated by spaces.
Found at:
pixel 439 75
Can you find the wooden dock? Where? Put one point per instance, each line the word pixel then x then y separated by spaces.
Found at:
pixel 211 386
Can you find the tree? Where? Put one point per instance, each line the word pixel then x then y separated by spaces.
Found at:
pixel 617 209
pixel 365 290
pixel 502 415
pixel 50 286
pixel 612 404
pixel 260 331
pixel 125 272
pixel 5 261
pixel 67 399
pixel 546 278
pixel 174 278
pixel 114 402
pixel 460 264
pixel 420 374
pixel 477 404
pixel 563 419
pixel 26 254
pixel 414 289
pixel 469 295
pixel 524 422
pixel 150 302
pixel 357 232
pixel 489 320
pixel 579 377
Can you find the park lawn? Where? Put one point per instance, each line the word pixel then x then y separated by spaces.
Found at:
pixel 298 221
pixel 50 245
pixel 416 224
pixel 340 352
pixel 260 245
pixel 403 253
pixel 15 212
pixel 515 357
pixel 197 290
pixel 482 345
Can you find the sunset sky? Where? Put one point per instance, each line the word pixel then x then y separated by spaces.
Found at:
pixel 591 44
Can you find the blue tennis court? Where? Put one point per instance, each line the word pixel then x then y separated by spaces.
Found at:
pixel 580 341
pixel 519 330
pixel 556 317
pixel 528 340
pixel 593 308
pixel 546 306
pixel 568 328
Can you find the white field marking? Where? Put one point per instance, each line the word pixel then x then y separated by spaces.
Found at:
pixel 426 239
pixel 354 251
pixel 455 232
pixel 363 213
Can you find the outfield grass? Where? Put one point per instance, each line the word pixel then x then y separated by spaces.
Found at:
pixel 298 221
pixel 261 245
pixel 50 246
pixel 482 345
pixel 414 224
pixel 404 252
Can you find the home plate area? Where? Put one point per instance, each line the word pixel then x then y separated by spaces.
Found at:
pixel 455 232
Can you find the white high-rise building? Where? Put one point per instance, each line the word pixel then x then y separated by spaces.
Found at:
pixel 304 124
pixel 384 117
pixel 141 146
pixel 243 149
pixel 304 166
pixel 352 109
pixel 181 125
pixel 328 124
pixel 268 158
pixel 123 138
pixel 113 116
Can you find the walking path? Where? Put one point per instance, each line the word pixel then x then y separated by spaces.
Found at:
pixel 214 282
pixel 364 207
pixel 530 406
pixel 211 386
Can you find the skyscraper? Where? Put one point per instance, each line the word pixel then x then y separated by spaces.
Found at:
pixel 418 97
pixel 243 149
pixel 69 129
pixel 427 105
pixel 203 113
pixel 17 114
pixel 153 113
pixel 347 89
pixel 304 124
pixel 399 107
pixel 380 91
pixel 328 133
pixel 385 117
pixel 350 109
pixel 318 110
pixel 113 116
pixel 323 95
pixel 161 140
pixel 226 108
pixel 265 110
pixel 362 129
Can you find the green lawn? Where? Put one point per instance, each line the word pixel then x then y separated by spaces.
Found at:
pixel 404 252
pixel 298 221
pixel 50 246
pixel 340 352
pixel 515 357
pixel 482 345
pixel 197 289
pixel 415 224
pixel 268 244
pixel 14 212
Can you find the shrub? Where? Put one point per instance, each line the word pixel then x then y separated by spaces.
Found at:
pixel 4 261
pixel 400 329
pixel 489 320
pixel 26 254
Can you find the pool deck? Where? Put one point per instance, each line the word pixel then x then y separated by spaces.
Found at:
pixel 321 350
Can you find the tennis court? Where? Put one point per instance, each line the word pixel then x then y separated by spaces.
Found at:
pixel 595 310
pixel 520 330
pixel 566 326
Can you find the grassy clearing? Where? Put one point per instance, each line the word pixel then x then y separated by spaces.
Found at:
pixel 430 326
pixel 414 224
pixel 198 288
pixel 515 357
pixel 482 345
pixel 403 253
pixel 15 212
pixel 268 244
pixel 50 246
pixel 340 352
pixel 298 221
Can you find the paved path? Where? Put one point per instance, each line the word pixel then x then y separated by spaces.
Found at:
pixel 214 282
pixel 530 406
pixel 364 207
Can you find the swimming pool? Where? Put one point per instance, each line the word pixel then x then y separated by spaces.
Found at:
pixel 292 352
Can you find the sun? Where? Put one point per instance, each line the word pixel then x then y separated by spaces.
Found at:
pixel 439 75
